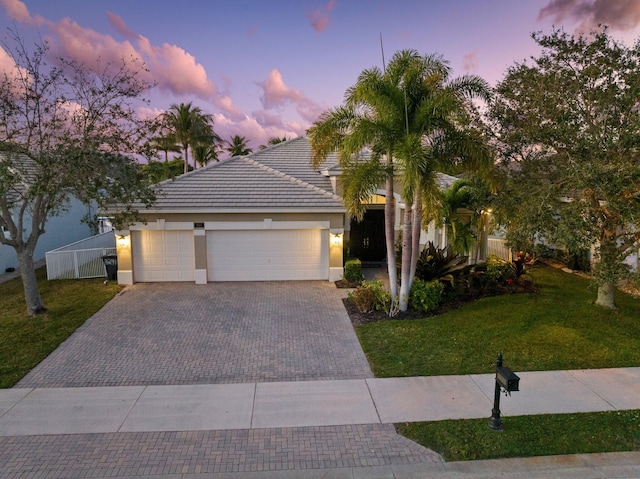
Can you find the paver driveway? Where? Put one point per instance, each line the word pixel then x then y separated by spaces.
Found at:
pixel 179 333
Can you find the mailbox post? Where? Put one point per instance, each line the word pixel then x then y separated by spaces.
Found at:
pixel 507 381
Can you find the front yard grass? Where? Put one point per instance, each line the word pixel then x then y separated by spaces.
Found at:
pixel 25 340
pixel 527 436
pixel 558 328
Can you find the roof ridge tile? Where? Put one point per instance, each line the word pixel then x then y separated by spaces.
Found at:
pixel 291 178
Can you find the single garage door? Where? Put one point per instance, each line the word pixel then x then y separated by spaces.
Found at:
pixel 163 256
pixel 268 255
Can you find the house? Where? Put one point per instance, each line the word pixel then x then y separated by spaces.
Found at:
pixel 265 216
pixel 60 230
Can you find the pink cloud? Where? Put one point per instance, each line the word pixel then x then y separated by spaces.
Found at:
pixel 470 62
pixel 319 18
pixel 19 12
pixel 171 68
pixel 276 93
pixel 15 75
pixel 619 14
pixel 119 24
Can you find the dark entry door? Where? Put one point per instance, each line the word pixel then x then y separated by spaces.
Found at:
pixel 367 241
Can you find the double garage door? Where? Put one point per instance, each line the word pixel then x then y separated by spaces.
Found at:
pixel 239 255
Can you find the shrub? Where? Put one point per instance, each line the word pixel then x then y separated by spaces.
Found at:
pixel 439 263
pixel 353 271
pixel 370 296
pixel 426 295
pixel 499 271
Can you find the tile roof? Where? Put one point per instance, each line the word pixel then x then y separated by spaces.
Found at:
pixel 279 178
pixel 293 157
pixel 24 169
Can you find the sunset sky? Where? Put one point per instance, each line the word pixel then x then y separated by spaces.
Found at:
pixel 269 68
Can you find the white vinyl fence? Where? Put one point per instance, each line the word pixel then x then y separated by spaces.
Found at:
pixel 498 247
pixel 82 259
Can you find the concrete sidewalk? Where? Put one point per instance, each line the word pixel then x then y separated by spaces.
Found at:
pixel 274 430
pixel 43 411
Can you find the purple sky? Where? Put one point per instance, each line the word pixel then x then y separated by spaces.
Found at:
pixel 269 68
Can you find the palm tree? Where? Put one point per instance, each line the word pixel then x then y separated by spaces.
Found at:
pixel 414 121
pixel 203 153
pixel 274 140
pixel 188 126
pixel 165 144
pixel 237 146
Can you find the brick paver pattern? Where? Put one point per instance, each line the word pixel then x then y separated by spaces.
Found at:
pixel 182 333
pixel 202 452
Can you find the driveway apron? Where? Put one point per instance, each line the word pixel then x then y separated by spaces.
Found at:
pixel 182 333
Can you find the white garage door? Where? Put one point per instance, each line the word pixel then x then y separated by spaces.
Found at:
pixel 163 256
pixel 267 255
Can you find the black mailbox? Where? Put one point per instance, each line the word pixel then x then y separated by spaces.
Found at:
pixel 508 380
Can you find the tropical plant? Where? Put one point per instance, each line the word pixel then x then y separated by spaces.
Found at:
pixel 465 207
pixel 189 126
pixel 203 153
pixel 237 146
pixel 439 263
pixel 413 120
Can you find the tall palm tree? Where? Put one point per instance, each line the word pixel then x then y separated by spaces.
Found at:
pixel 188 125
pixel 237 146
pixel 414 120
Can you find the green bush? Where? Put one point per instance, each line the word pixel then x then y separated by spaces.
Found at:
pixel 353 271
pixel 426 295
pixel 370 296
pixel 499 271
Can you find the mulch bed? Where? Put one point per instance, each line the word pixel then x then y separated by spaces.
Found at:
pixel 358 318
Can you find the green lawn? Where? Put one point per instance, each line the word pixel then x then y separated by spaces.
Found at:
pixel 557 328
pixel 24 340
pixel 526 436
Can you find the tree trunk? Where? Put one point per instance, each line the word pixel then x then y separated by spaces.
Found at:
pixel 390 237
pixel 407 243
pixel 30 283
pixel 415 235
pixel 186 157
pixel 605 295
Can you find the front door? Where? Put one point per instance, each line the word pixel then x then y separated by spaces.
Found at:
pixel 366 240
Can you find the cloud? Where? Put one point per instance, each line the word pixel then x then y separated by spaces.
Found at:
pixel 15 75
pixel 470 62
pixel 618 15
pixel 118 23
pixel 19 12
pixel 277 94
pixel 175 71
pixel 319 18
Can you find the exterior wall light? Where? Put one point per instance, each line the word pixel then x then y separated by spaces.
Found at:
pixel 337 239
pixel 123 241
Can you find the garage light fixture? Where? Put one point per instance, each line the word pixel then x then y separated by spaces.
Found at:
pixel 123 240
pixel 337 239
